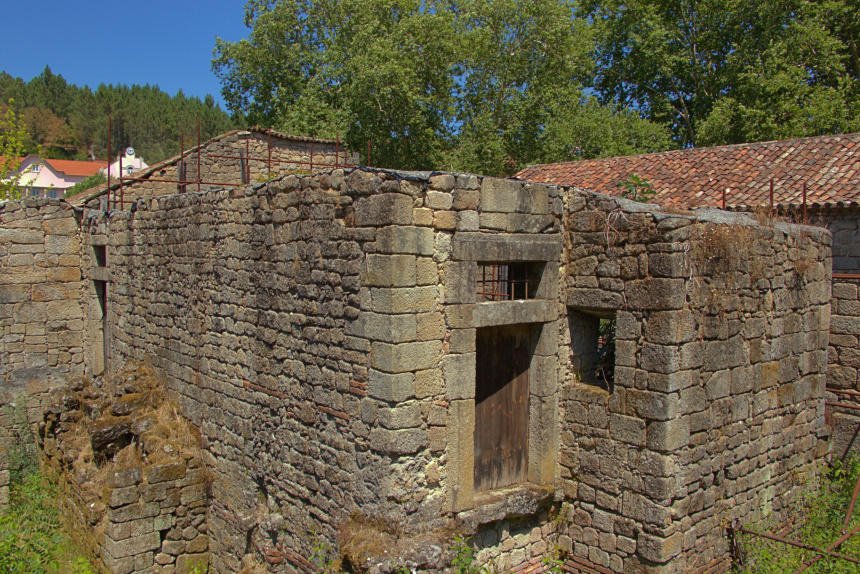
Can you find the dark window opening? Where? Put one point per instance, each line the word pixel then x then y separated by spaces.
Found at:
pixel 593 342
pixel 101 255
pixel 243 167
pixel 101 294
pixel 508 281
pixel 604 366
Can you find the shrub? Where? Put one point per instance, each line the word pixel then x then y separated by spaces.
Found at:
pixel 823 516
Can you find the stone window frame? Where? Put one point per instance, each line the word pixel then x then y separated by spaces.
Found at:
pixel 465 316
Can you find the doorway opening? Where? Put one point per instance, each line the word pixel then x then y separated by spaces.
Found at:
pixel 503 357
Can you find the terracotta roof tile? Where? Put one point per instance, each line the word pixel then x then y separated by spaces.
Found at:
pixel 697 177
pixel 76 168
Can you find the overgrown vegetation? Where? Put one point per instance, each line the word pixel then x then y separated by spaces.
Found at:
pixel 87 183
pixel 637 188
pixel 31 538
pixel 823 520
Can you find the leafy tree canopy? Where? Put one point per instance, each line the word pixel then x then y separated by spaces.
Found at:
pixel 12 145
pixel 479 85
pixel 730 71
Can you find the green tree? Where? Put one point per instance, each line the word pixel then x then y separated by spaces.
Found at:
pixel 477 85
pixel 366 69
pixel 87 183
pixel 521 100
pixel 729 71
pixel 12 146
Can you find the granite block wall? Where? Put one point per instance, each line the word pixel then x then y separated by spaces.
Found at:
pixel 322 333
pixel 715 412
pixel 319 330
pixel 41 315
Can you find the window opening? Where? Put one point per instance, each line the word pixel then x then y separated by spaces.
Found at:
pixel 101 255
pixel 593 346
pixel 507 281
pixel 101 289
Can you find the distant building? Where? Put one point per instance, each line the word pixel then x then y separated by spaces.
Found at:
pixel 42 177
pixel 130 163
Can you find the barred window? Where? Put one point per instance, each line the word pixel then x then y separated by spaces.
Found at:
pixel 507 281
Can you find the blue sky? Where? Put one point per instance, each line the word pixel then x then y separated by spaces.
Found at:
pixel 154 42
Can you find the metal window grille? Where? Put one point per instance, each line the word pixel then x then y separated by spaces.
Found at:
pixel 505 282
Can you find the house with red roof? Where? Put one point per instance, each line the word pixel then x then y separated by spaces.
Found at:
pixel 42 177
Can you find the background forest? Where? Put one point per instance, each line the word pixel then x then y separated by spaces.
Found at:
pixel 490 86
pixel 69 122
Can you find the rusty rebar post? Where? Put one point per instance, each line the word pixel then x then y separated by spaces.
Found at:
pixel 842 405
pixel 845 392
pixel 771 197
pixel 108 167
pixel 121 191
pixel 851 506
pixel 833 546
pixel 312 158
pixel 199 164
pixel 269 147
pixel 336 150
pixel 248 160
pixel 804 203
pixel 180 172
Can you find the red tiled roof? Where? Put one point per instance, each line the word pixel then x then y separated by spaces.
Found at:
pixel 830 166
pixel 75 168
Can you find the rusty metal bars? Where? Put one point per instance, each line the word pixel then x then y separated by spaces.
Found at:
pixel 108 160
pixel 506 282
pixel 182 181
pixel 809 547
pixel 121 191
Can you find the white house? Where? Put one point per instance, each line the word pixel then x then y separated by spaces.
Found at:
pixel 130 164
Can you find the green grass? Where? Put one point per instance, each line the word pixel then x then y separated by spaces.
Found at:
pixel 825 514
pixel 31 538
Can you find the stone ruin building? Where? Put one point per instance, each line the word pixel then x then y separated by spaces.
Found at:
pixel 375 362
pixel 812 179
pixel 232 159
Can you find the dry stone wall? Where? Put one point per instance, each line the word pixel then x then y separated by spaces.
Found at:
pixel 715 412
pixel 844 224
pixel 844 351
pixel 322 332
pixel 40 287
pixel 41 317
pixel 133 488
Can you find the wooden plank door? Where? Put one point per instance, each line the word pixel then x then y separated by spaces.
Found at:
pixel 503 355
